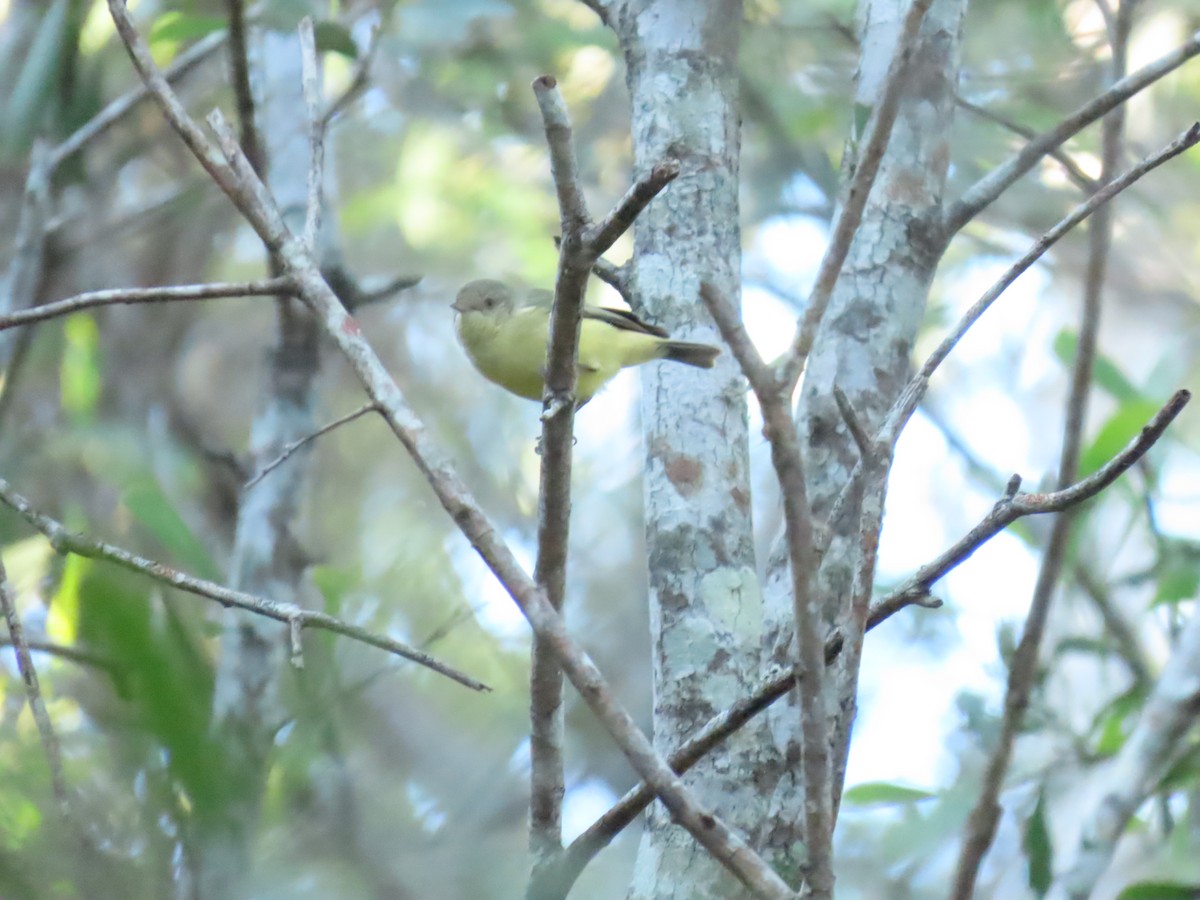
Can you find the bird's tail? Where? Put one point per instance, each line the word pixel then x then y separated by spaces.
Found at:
pixel 702 356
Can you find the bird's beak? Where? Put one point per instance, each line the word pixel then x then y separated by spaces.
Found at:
pixel 454 306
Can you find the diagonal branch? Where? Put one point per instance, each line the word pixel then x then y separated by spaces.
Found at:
pixel 1122 785
pixel 779 427
pixel 983 192
pixel 1023 669
pixel 118 109
pixel 866 168
pixel 913 592
pixel 238 180
pixel 915 390
pixel 269 287
pixel 64 541
pixel 33 694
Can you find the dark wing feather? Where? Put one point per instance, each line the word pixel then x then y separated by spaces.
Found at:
pixel 623 319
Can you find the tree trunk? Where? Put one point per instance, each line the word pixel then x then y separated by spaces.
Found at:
pixel 864 346
pixel 705 616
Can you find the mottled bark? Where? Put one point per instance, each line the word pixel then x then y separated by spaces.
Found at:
pixel 267 559
pixel 705 603
pixel 863 346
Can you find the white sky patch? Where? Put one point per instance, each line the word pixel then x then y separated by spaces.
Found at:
pixel 769 321
pixel 1179 511
pixel 496 611
pixel 583 804
pixel 792 246
pixel 914 530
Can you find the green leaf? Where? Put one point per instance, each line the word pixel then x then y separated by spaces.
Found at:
pixel 79 373
pixel 1114 722
pixel 1176 584
pixel 178 27
pixel 333 37
pixel 167 680
pixel 1160 890
pixel 27 103
pixel 1105 373
pixel 155 512
pixel 883 793
pixel 1038 849
pixel 1122 426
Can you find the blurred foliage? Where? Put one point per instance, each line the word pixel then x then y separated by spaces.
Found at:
pixel 387 780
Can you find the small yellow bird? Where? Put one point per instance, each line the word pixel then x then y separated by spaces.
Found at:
pixel 504 332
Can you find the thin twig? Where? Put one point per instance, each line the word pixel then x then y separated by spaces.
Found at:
pixel 24 275
pixel 359 79
pixel 992 185
pixel 603 234
pixel 64 542
pixel 1023 669
pixel 915 390
pixel 780 430
pixel 616 277
pixel 866 169
pixel 1077 176
pixel 1118 788
pixel 74 654
pixel 316 133
pixel 238 181
pixel 118 109
pixel 1008 509
pixel 861 439
pixel 33 693
pixel 269 287
pixel 913 592
pixel 546 781
pixel 243 92
pixel 290 449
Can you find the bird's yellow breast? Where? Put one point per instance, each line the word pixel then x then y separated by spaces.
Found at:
pixel 511 350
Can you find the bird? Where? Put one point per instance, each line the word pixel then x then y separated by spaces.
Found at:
pixel 504 332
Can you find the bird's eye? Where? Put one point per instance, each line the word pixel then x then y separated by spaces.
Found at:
pixel 489 302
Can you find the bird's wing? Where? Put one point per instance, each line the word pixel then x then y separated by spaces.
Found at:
pixel 623 319
pixel 617 318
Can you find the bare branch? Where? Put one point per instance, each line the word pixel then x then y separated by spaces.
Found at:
pixel 1119 787
pixel 914 592
pixel 75 654
pixel 239 75
pixel 20 283
pixel 33 694
pixel 546 782
pixel 1023 669
pixel 64 542
pixel 1077 176
pixel 206 154
pixel 599 237
pixel 992 185
pixel 292 447
pixel 848 219
pixel 358 80
pixel 251 197
pixel 269 287
pixel 118 109
pixel 861 439
pixel 563 166
pixel 616 277
pixel 780 430
pixel 1010 508
pixel 915 390
pixel 316 133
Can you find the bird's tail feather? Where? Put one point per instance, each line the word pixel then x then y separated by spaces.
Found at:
pixel 702 356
